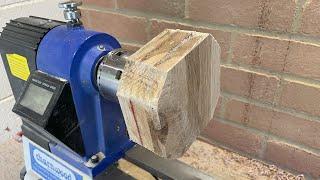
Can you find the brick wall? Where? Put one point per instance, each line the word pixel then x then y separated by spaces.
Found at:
pixel 10 9
pixel 270 102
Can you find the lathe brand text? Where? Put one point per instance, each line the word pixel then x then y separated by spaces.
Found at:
pixel 54 167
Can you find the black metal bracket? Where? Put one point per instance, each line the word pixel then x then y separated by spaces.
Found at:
pixel 163 168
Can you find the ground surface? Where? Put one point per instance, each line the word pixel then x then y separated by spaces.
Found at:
pixel 228 165
pixel 214 161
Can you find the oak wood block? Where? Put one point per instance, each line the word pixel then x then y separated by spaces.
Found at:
pixel 169 90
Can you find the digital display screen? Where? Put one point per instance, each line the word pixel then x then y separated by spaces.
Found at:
pixel 36 99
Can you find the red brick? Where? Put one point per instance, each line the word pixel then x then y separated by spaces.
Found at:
pixel 234 137
pixel 310 23
pixel 100 3
pixel 218 110
pixel 303 60
pixel 260 52
pixel 85 17
pixel 301 97
pixel 296 129
pixel 121 26
pixel 249 84
pixel 278 55
pixel 157 26
pixel 281 124
pixel 293 157
pixel 223 38
pixel 168 7
pixel 272 14
pixel 248 114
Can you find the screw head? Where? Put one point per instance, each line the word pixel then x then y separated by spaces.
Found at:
pixel 70 4
pixel 101 47
pixel 94 159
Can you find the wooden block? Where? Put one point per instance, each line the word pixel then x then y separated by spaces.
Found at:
pixel 169 90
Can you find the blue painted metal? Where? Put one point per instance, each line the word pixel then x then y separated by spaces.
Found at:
pixel 72 53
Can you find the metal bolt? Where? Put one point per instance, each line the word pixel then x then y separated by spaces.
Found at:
pixel 69 5
pixel 101 47
pixel 71 12
pixel 94 159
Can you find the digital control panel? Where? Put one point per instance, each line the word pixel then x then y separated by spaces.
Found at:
pixel 39 97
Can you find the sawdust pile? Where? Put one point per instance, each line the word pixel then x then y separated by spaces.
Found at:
pixel 228 165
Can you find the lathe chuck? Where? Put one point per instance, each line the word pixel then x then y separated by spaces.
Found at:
pixel 109 72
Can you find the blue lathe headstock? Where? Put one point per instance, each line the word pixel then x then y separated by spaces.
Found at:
pixel 62 109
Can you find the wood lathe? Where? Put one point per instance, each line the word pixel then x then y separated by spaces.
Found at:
pixel 85 103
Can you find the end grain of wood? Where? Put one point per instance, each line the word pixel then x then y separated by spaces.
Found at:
pixel 169 90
